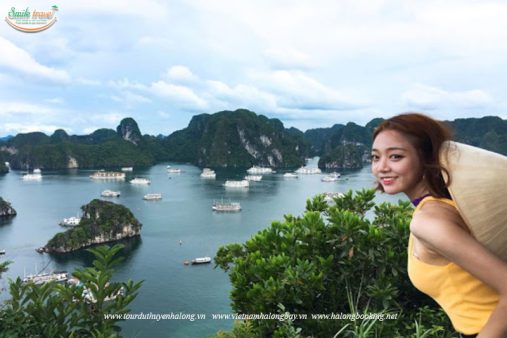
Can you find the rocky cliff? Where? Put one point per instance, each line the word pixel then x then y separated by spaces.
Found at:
pixel 6 210
pixel 238 138
pixel 102 222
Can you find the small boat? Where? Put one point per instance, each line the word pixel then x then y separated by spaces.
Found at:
pixel 236 184
pixel 254 178
pixel 226 206
pixel 110 193
pixel 208 173
pixel 2 252
pixel 259 170
pixel 173 170
pixel 153 197
pixel 127 169
pixel 140 180
pixel 201 260
pixel 290 175
pixel 70 222
pixel 107 175
pixel 333 177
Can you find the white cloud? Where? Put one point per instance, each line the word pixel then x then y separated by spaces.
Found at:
pixel 180 95
pixel 29 127
pixel 296 89
pixel 19 60
pixel 180 74
pixel 21 108
pixel 428 98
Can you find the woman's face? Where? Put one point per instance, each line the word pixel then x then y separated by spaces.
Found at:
pixel 396 165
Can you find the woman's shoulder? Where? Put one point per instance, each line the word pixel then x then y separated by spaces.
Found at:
pixel 434 217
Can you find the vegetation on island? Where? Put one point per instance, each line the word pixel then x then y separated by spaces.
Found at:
pixel 61 310
pixel 102 222
pixel 239 138
pixel 6 210
pixel 347 258
pixel 347 146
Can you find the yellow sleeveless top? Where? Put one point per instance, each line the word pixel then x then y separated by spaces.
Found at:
pixel 467 300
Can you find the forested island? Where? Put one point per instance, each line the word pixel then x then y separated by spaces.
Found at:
pixel 102 222
pixel 6 210
pixel 238 139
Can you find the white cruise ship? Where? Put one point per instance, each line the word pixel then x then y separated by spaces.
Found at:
pixel 152 197
pixel 226 206
pixel 236 184
pixel 70 222
pixel 333 177
pixel 330 196
pixel 107 175
pixel 110 193
pixel 308 171
pixel 57 276
pixel 255 178
pixel 35 176
pixel 255 170
pixel 140 181
pixel 208 173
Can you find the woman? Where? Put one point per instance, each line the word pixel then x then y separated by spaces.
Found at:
pixel 444 260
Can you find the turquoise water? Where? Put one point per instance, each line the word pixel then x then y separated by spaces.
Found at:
pixel 184 214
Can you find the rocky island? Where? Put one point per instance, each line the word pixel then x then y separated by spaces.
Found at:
pixel 102 222
pixel 6 210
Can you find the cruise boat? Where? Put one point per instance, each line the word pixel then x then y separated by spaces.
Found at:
pixel 108 175
pixel 140 180
pixel 153 197
pixel 201 260
pixel 308 171
pixel 226 206
pixel 57 276
pixel 333 177
pixel 173 170
pixel 208 173
pixel 127 169
pixel 236 184
pixel 255 170
pixel 290 175
pixel 110 193
pixel 255 178
pixel 2 252
pixel 35 176
pixel 70 222
pixel 330 196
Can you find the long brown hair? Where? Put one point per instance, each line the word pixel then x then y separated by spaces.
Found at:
pixel 427 136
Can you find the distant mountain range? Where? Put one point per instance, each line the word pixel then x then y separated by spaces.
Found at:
pixel 238 138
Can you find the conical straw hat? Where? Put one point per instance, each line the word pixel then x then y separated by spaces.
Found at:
pixel 479 189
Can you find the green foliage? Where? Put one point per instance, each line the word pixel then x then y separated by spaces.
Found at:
pixel 100 218
pixel 61 310
pixel 238 138
pixel 314 263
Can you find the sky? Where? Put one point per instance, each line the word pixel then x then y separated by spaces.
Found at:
pixel 310 64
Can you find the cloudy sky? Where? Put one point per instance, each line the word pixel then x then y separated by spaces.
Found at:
pixel 308 63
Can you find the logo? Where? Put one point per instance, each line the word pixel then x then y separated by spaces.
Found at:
pixel 28 21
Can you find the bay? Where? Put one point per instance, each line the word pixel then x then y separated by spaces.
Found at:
pixel 180 227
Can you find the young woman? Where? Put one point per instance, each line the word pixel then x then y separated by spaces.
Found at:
pixel 444 260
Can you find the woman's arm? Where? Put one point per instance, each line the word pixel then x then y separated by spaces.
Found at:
pixel 441 229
